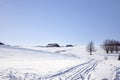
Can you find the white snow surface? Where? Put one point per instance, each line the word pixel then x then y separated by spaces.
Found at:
pixel 64 63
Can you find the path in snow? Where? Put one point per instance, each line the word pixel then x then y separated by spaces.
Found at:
pixel 79 72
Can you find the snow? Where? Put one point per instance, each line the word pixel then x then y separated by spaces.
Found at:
pixel 20 58
pixel 105 70
pixel 78 51
pixel 64 63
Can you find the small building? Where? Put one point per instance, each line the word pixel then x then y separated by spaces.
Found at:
pixel 2 43
pixel 53 45
pixel 69 45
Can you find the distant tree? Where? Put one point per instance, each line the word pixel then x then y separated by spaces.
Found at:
pixel 91 47
pixel 111 45
pixel 106 45
pixel 116 46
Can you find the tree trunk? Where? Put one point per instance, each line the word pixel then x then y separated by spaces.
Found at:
pixel 91 53
pixel 107 51
pixel 111 51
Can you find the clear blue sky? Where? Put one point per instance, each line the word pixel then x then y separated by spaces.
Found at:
pixel 38 22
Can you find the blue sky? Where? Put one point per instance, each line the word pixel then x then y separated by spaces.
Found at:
pixel 38 22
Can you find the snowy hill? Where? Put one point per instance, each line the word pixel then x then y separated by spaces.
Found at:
pixel 72 63
pixel 78 51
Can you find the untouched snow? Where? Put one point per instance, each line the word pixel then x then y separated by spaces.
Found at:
pixel 72 63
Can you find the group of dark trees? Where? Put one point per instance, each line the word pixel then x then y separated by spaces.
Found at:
pixel 111 46
pixel 108 45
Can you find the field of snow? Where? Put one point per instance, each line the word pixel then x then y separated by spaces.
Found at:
pixel 64 63
pixel 78 51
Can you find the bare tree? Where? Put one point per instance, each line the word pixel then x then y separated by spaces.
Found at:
pixel 91 47
pixel 106 45
pixel 111 45
pixel 116 46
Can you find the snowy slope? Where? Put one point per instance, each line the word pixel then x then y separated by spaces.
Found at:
pixel 12 57
pixel 37 63
pixel 78 51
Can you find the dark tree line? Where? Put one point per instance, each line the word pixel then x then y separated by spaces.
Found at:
pixel 108 46
pixel 111 46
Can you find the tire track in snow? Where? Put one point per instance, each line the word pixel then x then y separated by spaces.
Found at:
pixel 83 73
pixel 117 74
pixel 77 72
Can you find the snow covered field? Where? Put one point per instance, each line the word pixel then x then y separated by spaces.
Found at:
pixel 72 63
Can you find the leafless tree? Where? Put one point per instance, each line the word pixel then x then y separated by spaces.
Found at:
pixel 106 45
pixel 112 45
pixel 91 47
pixel 117 46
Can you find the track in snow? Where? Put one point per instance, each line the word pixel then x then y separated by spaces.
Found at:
pixel 117 74
pixel 79 72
